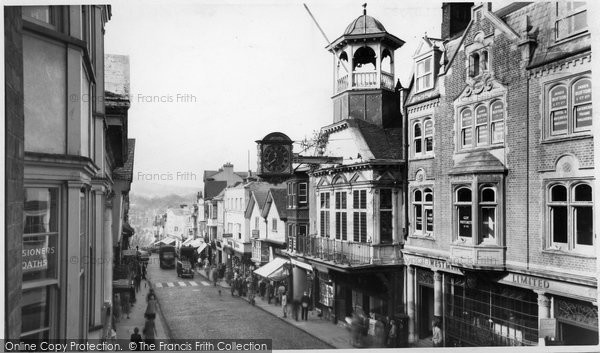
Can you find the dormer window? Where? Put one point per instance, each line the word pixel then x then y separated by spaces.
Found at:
pixel 571 18
pixel 424 74
pixel 478 63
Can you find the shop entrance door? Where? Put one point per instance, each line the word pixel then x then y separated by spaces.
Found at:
pixel 425 310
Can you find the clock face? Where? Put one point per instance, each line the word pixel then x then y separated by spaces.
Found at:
pixel 276 158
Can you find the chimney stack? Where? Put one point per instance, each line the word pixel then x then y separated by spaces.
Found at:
pixel 455 17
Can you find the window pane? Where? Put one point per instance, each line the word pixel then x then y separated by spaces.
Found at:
pixel 463 195
pixel 559 193
pixel 428 195
pixel 418 147
pixel 584 226
pixel 385 227
pixel 497 132
pixel 429 219
pixel 363 199
pixel 418 218
pixel 344 224
pixel 39 257
pixel 488 195
pixel 467 136
pixel 418 197
pixel 464 221
pixel 583 193
pixel 488 222
pixel 429 144
pixel 40 13
pixel 40 210
pixel 427 65
pixel 466 117
pixel 35 309
pixel 583 116
pixel 385 199
pixel 482 135
pixel 559 224
pixel 363 227
pixel 579 21
pixel 558 121
pixel 417 130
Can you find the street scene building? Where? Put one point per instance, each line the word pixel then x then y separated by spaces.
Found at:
pixel 444 199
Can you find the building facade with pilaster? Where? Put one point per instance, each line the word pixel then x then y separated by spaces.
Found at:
pixel 500 246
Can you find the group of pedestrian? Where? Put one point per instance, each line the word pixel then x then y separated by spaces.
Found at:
pixel 374 331
pixel 149 329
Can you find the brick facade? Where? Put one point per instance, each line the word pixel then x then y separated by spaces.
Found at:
pixel 14 134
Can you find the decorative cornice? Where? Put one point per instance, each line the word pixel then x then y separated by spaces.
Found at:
pixel 423 106
pixel 559 65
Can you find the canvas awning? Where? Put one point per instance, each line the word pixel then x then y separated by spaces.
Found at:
pixel 165 241
pixel 274 269
pixel 196 243
pixel 201 247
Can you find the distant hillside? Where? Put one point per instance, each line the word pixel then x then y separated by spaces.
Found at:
pixel 141 202
pixel 149 189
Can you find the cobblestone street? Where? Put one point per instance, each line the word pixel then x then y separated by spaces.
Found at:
pixel 196 310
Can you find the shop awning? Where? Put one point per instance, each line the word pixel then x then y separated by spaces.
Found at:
pixel 165 241
pixel 201 247
pixel 301 264
pixel 272 269
pixel 196 243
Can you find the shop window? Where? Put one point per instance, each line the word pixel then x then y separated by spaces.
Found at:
pixel 424 74
pixel 341 221
pixel 423 211
pixel 569 108
pixel 385 216
pixel 359 205
pixel 570 217
pixel 324 214
pixel 571 19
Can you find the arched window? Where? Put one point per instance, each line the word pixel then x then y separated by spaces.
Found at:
pixel 583 215
pixel 582 105
pixel 463 207
pixel 481 127
pixel 487 213
pixel 466 132
pixel 497 125
pixel 342 65
pixel 386 61
pixel 364 60
pixel 423 211
pixel 417 138
pixel 428 135
pixel 559 121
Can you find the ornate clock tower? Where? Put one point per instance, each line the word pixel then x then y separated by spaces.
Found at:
pixel 275 156
pixel 364 86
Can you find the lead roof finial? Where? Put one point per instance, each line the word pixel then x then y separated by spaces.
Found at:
pixel 364 8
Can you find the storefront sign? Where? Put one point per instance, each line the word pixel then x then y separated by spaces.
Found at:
pixel 549 285
pixel 547 328
pixel 35 256
pixel 434 264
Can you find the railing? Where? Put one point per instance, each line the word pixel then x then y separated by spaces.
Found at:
pixel 342 83
pixel 387 81
pixel 347 253
pixel 365 80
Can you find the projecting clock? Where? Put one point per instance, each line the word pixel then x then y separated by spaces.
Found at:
pixel 275 156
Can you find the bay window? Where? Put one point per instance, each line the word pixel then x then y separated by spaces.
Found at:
pixel 477 215
pixel 359 204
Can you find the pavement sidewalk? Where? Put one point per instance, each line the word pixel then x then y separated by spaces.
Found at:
pixel 336 336
pixel 136 318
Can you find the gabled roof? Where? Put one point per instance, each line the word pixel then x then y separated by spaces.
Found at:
pixel 213 187
pixel 126 171
pixel 277 197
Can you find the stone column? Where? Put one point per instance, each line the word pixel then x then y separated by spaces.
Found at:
pixel 437 294
pixel 543 312
pixel 410 302
pixel 74 318
pixel 107 249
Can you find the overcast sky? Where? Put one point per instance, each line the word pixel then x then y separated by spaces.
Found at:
pixel 253 67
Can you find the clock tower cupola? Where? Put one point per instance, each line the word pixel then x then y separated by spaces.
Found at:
pixel 364 84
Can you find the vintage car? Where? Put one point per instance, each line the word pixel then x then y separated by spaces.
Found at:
pixel 185 263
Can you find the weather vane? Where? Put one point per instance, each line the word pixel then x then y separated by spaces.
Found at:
pixel 364 8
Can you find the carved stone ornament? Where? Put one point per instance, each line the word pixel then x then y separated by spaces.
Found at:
pixel 424 277
pixel 577 312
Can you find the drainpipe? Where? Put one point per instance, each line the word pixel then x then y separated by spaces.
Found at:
pixel 527 170
pixel 402 96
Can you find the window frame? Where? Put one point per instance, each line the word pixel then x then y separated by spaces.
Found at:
pixel 421 76
pixel 479 62
pixel 420 141
pixel 487 205
pixel 383 211
pixel 568 13
pixel 423 205
pixel 341 215
pixel 324 214
pixel 571 205
pixel 302 195
pixel 359 212
pixel 475 126
pixel 571 130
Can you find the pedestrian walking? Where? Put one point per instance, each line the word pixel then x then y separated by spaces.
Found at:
pixel 137 339
pixel 437 333
pixel 284 304
pixel 144 272
pixel 150 294
pixel 149 331
pixel 137 281
pixel 295 307
pixel 392 334
pixel 151 307
pixel 117 307
pixel 305 301
pixel 126 304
